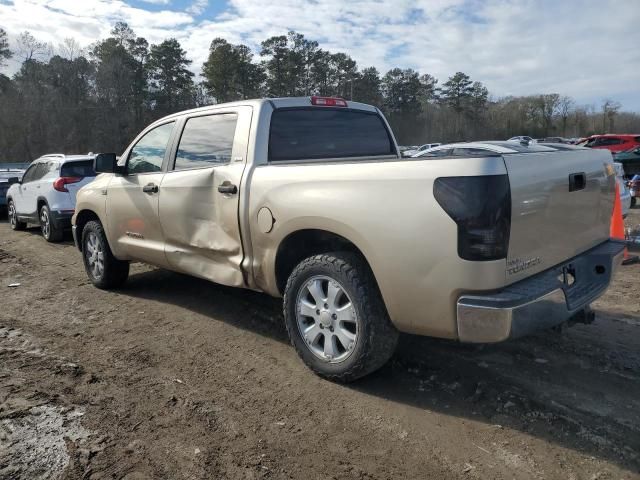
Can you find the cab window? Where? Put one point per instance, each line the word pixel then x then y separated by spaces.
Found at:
pixel 148 154
pixel 206 141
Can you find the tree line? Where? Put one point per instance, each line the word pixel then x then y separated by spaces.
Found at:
pixel 73 100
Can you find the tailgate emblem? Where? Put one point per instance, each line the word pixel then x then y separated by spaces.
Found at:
pixel 516 265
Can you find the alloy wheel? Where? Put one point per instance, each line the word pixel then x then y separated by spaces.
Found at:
pixel 327 319
pixel 94 254
pixel 45 223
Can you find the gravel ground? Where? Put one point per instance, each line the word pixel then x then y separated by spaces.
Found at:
pixel 174 377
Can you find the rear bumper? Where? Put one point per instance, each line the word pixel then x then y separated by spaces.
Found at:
pixel 541 301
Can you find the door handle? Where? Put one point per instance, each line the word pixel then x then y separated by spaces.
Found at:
pixel 577 181
pixel 227 187
pixel 150 188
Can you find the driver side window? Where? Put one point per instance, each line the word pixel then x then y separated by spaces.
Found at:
pixel 148 154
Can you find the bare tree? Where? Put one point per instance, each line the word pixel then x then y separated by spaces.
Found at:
pixel 565 107
pixel 29 48
pixel 610 109
pixel 70 49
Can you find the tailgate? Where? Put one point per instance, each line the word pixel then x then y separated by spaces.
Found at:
pixel 561 206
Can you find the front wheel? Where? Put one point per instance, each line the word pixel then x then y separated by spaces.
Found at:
pixel 336 318
pixel 13 217
pixel 104 270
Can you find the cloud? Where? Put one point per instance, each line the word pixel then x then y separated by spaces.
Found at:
pixel 198 7
pixel 513 46
pixel 157 2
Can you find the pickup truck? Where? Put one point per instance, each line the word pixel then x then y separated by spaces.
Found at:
pixel 309 199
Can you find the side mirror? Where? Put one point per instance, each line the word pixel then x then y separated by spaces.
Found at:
pixel 12 180
pixel 105 163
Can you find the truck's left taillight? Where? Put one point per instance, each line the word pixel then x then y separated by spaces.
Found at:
pixel 60 184
pixel 481 208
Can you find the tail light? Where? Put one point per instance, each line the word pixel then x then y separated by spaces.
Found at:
pixel 60 184
pixel 481 207
pixel 328 101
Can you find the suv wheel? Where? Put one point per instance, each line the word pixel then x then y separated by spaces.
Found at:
pixel 50 232
pixel 13 218
pixel 335 317
pixel 104 270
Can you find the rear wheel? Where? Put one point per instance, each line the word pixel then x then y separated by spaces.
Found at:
pixel 104 270
pixel 336 318
pixel 13 217
pixel 50 231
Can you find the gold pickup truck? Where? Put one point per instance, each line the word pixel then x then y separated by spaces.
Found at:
pixel 308 199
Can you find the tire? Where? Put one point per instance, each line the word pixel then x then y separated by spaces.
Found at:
pixel 103 269
pixel 352 318
pixel 50 232
pixel 633 202
pixel 13 218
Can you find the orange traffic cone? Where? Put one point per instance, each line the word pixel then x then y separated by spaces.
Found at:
pixel 617 227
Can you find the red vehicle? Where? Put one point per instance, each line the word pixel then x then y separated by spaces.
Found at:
pixel 612 142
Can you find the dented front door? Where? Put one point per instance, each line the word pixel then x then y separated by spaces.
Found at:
pixel 199 196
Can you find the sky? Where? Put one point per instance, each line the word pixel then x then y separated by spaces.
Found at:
pixel 588 49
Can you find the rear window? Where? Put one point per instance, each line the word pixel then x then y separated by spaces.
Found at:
pixel 78 169
pixel 316 133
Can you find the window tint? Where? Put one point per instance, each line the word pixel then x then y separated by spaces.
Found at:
pixel 463 152
pixel 29 174
pixel 206 141
pixel 41 171
pixel 78 169
pixel 315 133
pixel 606 141
pixel 147 155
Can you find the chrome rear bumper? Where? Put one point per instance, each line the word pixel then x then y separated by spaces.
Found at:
pixel 541 301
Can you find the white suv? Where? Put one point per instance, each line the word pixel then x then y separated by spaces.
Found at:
pixel 46 195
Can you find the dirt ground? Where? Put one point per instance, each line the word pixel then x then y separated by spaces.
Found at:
pixel 173 377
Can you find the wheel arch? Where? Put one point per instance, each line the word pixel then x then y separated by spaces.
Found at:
pixel 304 243
pixel 40 202
pixel 82 218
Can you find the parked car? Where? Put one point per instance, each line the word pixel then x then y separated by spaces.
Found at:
pixel 634 189
pixel 405 150
pixel 46 193
pixel 421 148
pixel 308 199
pixel 630 160
pixel 7 176
pixel 479 149
pixel 522 138
pixel 613 143
pixel 553 140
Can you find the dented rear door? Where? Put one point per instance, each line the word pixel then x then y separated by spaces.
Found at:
pixel 199 196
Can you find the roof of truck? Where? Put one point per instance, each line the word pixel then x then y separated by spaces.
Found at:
pixel 285 102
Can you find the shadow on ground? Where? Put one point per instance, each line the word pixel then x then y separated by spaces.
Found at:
pixel 579 389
